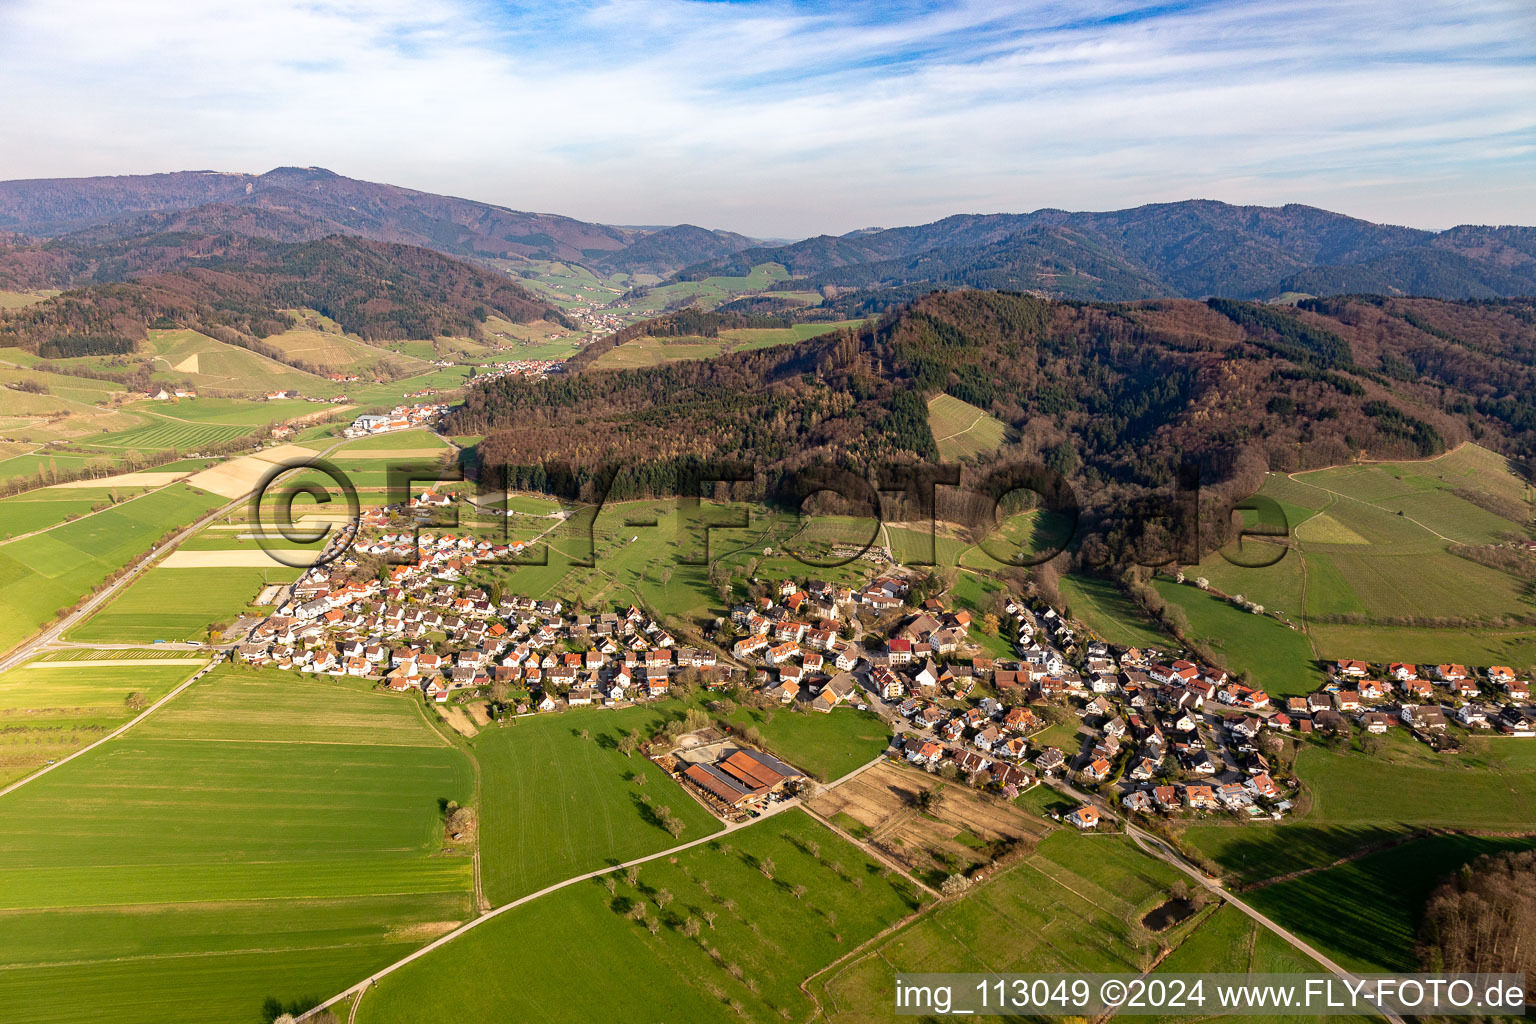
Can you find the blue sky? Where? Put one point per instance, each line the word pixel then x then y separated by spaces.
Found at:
pixel 787 119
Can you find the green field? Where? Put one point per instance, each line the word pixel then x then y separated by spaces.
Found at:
pixel 1275 657
pixel 574 956
pixel 178 604
pixel 1370 574
pixel 1366 913
pixel 1229 942
pixel 1068 907
pixel 395 440
pixel 53 570
pixel 1106 610
pixel 49 506
pixel 649 351
pixel 1248 852
pixel 828 745
pixel 1492 784
pixel 54 705
pixel 260 837
pixel 555 804
pixel 16 300
pixel 210 365
pixel 332 349
pixel 962 430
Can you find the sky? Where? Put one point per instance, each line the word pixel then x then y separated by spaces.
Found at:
pixel 782 120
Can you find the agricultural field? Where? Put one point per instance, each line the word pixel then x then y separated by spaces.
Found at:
pixel 319 341
pixel 1369 569
pixel 178 604
pixel 67 410
pixel 53 705
pixel 957 832
pixel 962 430
pixel 395 441
pixel 756 938
pixel 555 802
pixel 1493 783
pixel 53 570
pixel 569 285
pixel 260 838
pixel 1365 914
pixel 49 506
pixel 16 300
pixel 1227 941
pixel 1248 853
pixel 1070 906
pixel 639 563
pixel 42 467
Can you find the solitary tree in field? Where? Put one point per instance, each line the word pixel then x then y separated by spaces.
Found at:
pixel 136 701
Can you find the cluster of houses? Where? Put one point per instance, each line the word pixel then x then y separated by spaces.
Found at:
pixel 796 638
pixel 532 369
pixel 1422 698
pixel 401 417
pixel 421 628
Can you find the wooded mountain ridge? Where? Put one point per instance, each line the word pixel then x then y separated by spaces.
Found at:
pixel 215 283
pixel 1193 249
pixel 1113 396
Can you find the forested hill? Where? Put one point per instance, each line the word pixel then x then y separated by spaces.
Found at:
pixel 1114 396
pixel 378 290
pixel 1193 249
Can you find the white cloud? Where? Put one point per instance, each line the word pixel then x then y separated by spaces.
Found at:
pixel 777 120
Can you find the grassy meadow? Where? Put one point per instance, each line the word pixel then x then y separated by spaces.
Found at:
pixel 647 351
pixel 1366 913
pixel 1273 655
pixel 962 430
pixel 1369 569
pixel 828 745
pixel 555 803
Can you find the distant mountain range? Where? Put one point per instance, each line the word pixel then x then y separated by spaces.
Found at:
pixel 1191 249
